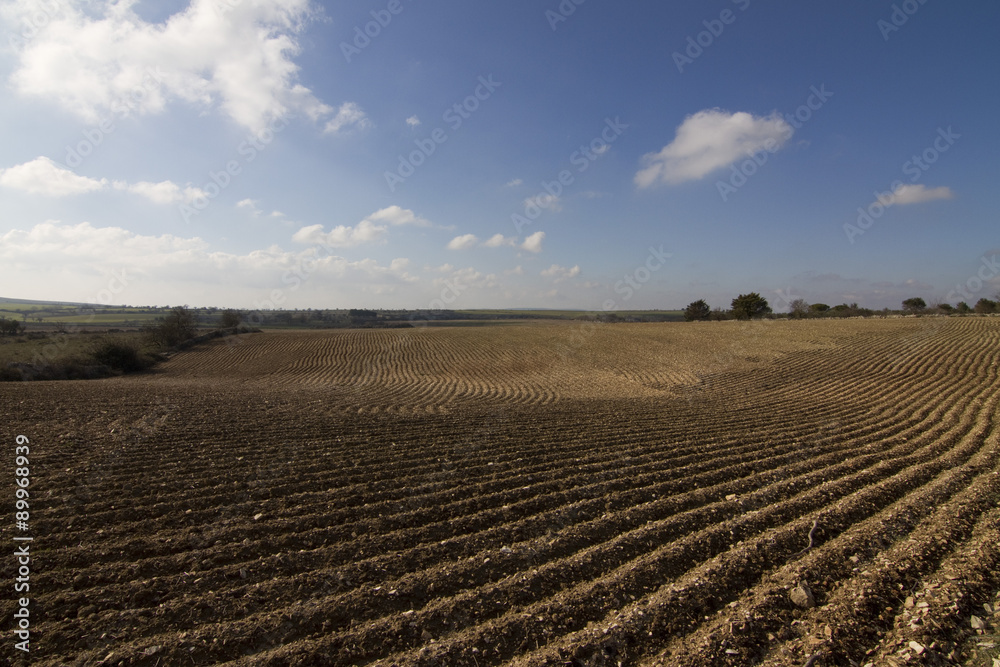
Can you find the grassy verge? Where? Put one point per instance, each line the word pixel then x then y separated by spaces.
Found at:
pixel 74 356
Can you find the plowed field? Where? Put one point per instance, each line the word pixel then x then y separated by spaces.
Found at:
pixel 775 493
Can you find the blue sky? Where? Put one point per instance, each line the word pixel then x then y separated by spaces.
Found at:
pixel 408 153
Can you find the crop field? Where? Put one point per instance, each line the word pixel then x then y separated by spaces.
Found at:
pixel 724 493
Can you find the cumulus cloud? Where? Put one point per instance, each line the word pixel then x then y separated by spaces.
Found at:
pixel 915 194
pixel 462 242
pixel 534 242
pixel 98 57
pixel 372 228
pixel 560 273
pixel 413 121
pixel 499 240
pixel 514 183
pixel 42 176
pixel 710 140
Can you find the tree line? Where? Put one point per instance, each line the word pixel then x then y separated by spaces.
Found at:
pixel 754 306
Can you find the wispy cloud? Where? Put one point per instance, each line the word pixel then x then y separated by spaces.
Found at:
pixel 42 176
pixel 915 194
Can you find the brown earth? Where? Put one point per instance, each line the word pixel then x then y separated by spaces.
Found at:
pixel 530 495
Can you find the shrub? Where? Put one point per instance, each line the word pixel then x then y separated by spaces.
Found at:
pixel 121 356
pixel 914 305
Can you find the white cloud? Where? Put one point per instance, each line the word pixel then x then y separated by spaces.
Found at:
pixel 349 115
pixel 463 242
pixel 710 140
pixel 915 194
pixel 544 201
pixel 499 240
pixel 516 271
pixel 98 57
pixel 42 176
pixel 395 215
pixel 75 262
pixel 413 121
pixel 514 183
pixel 250 205
pixel 560 273
pixel 372 228
pixel 341 236
pixel 165 192
pixel 534 242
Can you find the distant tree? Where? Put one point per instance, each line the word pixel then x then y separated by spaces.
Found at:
pixel 963 307
pixel 985 307
pixel 819 308
pixel 719 315
pixel 914 305
pixel 697 310
pixel 176 327
pixel 749 306
pixel 798 308
pixel 946 308
pixel 230 319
